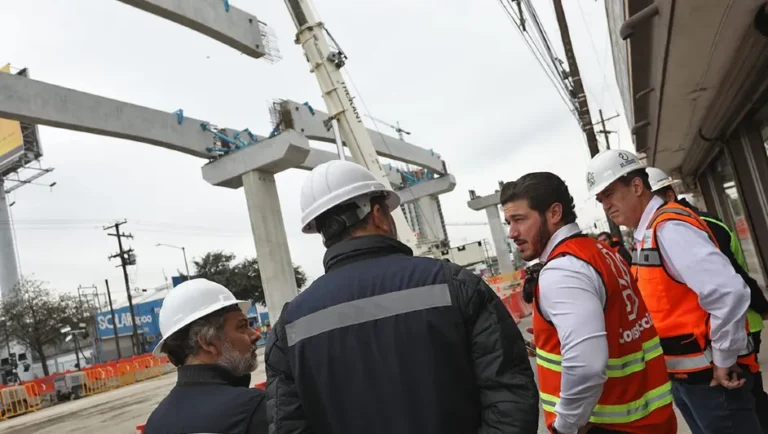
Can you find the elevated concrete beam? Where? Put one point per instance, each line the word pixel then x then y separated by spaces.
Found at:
pixel 272 155
pixel 481 203
pixel 236 28
pixel 27 100
pixel 433 187
pixel 312 126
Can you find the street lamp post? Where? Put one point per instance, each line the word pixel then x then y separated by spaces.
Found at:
pixel 183 251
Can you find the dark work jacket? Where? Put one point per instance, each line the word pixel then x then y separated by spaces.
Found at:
pixel 388 343
pixel 210 399
pixel 758 302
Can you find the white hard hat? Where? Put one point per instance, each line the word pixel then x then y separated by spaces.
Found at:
pixel 190 301
pixel 659 179
pixel 337 182
pixel 608 166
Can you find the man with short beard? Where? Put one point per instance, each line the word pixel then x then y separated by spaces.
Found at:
pixel 206 335
pixel 598 355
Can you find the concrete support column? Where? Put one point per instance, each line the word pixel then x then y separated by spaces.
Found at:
pixel 9 268
pixel 272 250
pixel 499 239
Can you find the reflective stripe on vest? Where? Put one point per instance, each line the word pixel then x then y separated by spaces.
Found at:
pixel 620 367
pixel 624 413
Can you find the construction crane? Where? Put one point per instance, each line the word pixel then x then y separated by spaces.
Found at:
pixel 397 128
pixel 326 64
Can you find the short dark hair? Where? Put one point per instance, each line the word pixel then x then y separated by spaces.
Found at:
pixel 335 230
pixel 663 191
pixel 541 190
pixel 638 173
pixel 604 234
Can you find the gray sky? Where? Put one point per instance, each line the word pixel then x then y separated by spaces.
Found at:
pixel 454 73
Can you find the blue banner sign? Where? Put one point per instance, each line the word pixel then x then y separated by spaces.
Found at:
pixel 146 320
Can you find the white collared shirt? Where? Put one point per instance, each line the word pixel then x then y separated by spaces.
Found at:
pixel 692 258
pixel 572 297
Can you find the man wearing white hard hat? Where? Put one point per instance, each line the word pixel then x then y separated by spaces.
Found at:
pixel 696 300
pixel 728 242
pixel 206 335
pixel 386 342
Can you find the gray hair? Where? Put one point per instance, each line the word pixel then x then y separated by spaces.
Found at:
pixel 186 343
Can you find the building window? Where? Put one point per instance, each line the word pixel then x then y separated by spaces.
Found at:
pixel 730 202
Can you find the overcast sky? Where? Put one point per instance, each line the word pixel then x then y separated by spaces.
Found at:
pixel 454 73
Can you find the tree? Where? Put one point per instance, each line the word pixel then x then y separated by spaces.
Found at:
pixel 242 278
pixel 33 316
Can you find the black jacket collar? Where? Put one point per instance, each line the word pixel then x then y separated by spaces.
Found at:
pixel 361 248
pixel 210 374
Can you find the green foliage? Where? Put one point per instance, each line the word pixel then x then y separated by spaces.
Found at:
pixel 33 316
pixel 242 278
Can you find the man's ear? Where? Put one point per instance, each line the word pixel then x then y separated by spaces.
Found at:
pixel 380 218
pixel 207 346
pixel 637 186
pixel 555 213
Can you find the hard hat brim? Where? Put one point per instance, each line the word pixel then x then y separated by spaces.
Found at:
pixel 393 201
pixel 666 184
pixel 244 306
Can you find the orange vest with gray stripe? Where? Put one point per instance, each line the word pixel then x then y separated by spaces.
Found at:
pixel 682 323
pixel 637 396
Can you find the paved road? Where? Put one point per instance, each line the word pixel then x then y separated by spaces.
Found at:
pixel 119 411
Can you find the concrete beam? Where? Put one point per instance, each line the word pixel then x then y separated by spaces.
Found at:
pixel 235 28
pixel 481 203
pixel 27 100
pixel 433 187
pixel 311 125
pixel 272 155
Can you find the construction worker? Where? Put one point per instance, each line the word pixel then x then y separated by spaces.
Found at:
pixel 206 335
pixel 615 244
pixel 386 342
pixel 696 300
pixel 662 186
pixel 600 363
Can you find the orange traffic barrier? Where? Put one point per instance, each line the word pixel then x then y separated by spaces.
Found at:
pixel 14 401
pixel 140 428
pixel 33 396
pixel 516 306
pixel 262 385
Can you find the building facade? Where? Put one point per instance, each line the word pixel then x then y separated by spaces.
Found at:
pixel 693 76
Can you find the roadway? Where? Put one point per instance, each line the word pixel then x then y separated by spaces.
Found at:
pixel 119 411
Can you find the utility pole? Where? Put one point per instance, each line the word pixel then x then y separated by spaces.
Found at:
pixel 114 323
pixel 585 118
pixel 605 132
pixel 126 258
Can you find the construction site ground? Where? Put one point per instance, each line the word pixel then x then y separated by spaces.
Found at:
pixel 119 411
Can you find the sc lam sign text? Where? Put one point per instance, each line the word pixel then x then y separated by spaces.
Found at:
pixel 123 320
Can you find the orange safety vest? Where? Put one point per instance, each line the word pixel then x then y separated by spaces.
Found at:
pixel 682 323
pixel 637 396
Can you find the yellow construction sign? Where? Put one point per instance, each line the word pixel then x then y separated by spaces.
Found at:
pixel 11 142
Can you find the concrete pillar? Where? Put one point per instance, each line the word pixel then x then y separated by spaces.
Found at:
pixel 9 268
pixel 272 250
pixel 499 239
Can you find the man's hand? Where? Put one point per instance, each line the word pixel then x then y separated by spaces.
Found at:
pixel 529 344
pixel 765 316
pixel 727 377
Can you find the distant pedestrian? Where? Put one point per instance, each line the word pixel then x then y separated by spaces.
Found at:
pixel 207 336
pixel 615 244
pixel 389 343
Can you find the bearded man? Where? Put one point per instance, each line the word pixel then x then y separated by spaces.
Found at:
pixel 207 336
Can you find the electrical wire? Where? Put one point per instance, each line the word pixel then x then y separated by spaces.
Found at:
pixel 551 73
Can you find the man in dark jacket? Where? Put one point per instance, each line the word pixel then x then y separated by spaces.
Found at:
pixel 206 335
pixel 615 245
pixel 386 342
pixel 661 183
